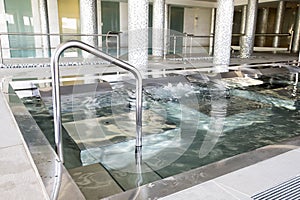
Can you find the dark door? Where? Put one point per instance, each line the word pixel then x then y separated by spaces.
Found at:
pixel 176 26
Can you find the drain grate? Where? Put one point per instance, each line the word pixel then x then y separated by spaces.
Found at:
pixel 287 190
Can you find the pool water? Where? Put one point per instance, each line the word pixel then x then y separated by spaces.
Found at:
pixel 186 125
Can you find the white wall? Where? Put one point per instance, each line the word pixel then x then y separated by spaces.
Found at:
pixel 37 28
pixel 124 24
pixel 53 23
pixel 197 21
pixel 3 28
pixel 99 22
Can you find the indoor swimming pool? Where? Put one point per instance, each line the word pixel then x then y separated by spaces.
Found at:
pixel 188 121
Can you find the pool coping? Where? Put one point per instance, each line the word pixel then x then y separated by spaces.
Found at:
pixel 42 154
pixel 210 172
pixel 19 175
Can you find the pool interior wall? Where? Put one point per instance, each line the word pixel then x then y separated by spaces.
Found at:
pixel 207 111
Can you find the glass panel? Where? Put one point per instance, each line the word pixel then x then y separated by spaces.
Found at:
pixel 69 22
pixel 19 20
pixel 110 14
pixel 177 17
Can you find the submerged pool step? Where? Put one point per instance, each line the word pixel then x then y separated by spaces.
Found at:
pixel 94 181
pixel 108 130
pixel 77 89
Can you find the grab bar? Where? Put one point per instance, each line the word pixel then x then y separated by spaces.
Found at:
pixel 56 96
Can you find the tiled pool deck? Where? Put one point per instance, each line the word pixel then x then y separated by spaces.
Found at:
pixel 20 178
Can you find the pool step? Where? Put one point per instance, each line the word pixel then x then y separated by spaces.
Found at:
pixel 77 89
pixel 94 181
pixel 112 129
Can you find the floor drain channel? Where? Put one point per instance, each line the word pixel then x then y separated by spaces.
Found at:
pixel 286 190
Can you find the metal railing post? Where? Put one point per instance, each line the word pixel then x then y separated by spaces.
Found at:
pixel 174 43
pixel 191 44
pixel 118 46
pixel 57 103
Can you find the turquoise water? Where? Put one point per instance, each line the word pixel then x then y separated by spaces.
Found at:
pixel 186 125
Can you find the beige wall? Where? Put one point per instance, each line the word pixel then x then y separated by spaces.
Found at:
pixel 197 22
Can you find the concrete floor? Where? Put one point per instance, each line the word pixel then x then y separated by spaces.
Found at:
pixel 20 178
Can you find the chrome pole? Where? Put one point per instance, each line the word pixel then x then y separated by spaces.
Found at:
pixel 56 93
pixel 174 48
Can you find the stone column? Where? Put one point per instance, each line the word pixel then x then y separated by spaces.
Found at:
pixel 138 33
pixel 263 22
pixel 279 22
pixel 223 31
pixel 296 39
pixel 45 28
pixel 158 28
pixel 88 22
pixel 248 40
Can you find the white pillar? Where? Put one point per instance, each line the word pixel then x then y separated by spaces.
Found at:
pixel 4 41
pixel 99 22
pixel 88 22
pixel 279 22
pixel 158 28
pixel 138 33
pixel 223 32
pixel 243 23
pixel 166 31
pixel 37 28
pixel 263 22
pixel 296 39
pixel 43 7
pixel 248 39
pixel 212 31
pixel 53 24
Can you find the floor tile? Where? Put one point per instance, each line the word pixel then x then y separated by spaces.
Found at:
pixel 18 180
pixel 263 175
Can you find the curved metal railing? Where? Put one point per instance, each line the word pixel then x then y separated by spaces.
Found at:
pixel 57 104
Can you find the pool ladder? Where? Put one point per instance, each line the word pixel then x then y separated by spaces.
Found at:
pixel 57 103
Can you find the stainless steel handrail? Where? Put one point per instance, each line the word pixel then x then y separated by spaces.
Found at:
pixel 57 103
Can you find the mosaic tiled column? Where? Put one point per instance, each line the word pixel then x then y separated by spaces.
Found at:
pixel 223 30
pixel 158 28
pixel 296 39
pixel 248 40
pixel 88 22
pixel 45 27
pixel 263 22
pixel 279 22
pixel 166 31
pixel 243 22
pixel 138 33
